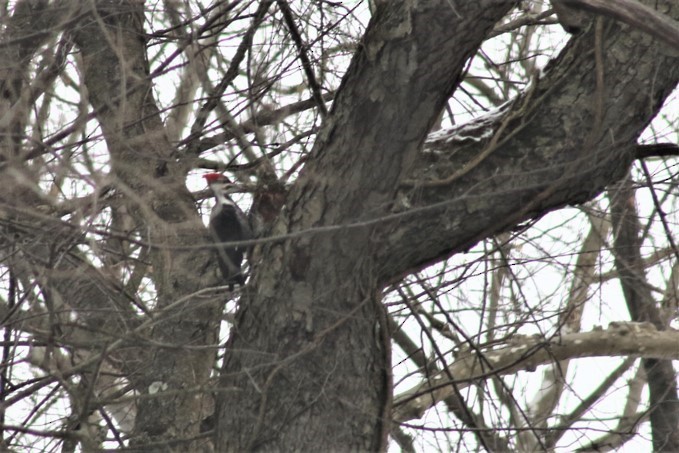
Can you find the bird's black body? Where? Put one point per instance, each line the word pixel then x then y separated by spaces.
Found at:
pixel 228 224
pixel 226 227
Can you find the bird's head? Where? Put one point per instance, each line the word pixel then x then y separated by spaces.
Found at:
pixel 219 183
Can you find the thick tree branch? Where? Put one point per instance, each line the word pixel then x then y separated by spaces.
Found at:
pixel 656 150
pixel 634 13
pixel 536 155
pixel 628 339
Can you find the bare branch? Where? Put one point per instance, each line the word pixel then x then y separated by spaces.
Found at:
pixel 620 339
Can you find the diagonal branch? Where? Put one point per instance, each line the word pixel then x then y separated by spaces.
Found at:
pixel 540 163
pixel 526 353
pixel 303 56
pixel 231 73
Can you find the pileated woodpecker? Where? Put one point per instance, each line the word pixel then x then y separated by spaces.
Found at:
pixel 228 224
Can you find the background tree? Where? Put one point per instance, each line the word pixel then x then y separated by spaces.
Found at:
pixel 465 233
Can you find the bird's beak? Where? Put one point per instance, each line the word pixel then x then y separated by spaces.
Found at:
pixel 230 188
pixel 227 188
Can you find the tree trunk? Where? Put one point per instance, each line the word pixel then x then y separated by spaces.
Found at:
pixel 146 171
pixel 307 363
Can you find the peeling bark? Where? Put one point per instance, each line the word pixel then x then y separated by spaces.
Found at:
pixel 548 153
pixel 632 339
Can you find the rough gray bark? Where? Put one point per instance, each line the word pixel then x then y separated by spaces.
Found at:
pixel 152 180
pixel 537 166
pixel 307 365
pixel 307 350
pixel 552 151
pixel 640 16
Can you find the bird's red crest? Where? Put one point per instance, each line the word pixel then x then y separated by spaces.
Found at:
pixel 215 177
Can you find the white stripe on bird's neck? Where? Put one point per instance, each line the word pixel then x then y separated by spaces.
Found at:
pixel 222 199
